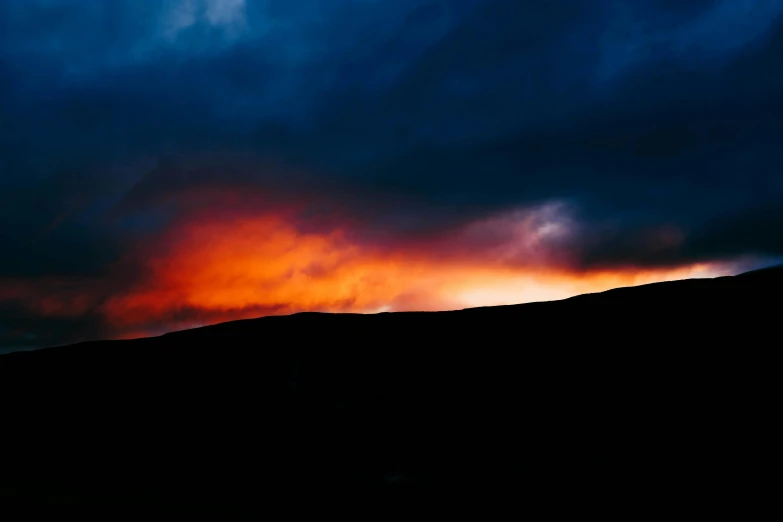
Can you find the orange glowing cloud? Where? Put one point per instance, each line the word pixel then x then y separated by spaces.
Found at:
pixel 235 263
pixel 208 269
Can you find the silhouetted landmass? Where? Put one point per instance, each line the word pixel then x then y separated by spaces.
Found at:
pixel 645 396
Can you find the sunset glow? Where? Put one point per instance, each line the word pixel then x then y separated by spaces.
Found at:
pixel 224 266
pixel 229 256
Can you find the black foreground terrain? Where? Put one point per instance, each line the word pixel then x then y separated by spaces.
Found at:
pixel 651 397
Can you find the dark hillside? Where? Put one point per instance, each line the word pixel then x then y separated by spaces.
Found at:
pixel 651 395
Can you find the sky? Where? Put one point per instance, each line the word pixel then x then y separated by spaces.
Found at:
pixel 166 164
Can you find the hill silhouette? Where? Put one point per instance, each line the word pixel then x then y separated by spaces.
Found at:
pixel 650 395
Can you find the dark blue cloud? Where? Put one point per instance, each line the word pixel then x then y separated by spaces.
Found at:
pixel 499 101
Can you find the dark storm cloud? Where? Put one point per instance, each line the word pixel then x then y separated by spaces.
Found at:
pixel 656 122
pixel 641 117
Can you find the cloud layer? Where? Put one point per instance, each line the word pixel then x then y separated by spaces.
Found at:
pixel 415 141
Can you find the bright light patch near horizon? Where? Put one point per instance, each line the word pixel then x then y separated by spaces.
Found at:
pixel 515 288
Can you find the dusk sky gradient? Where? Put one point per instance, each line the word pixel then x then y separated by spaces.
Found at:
pixel 166 164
